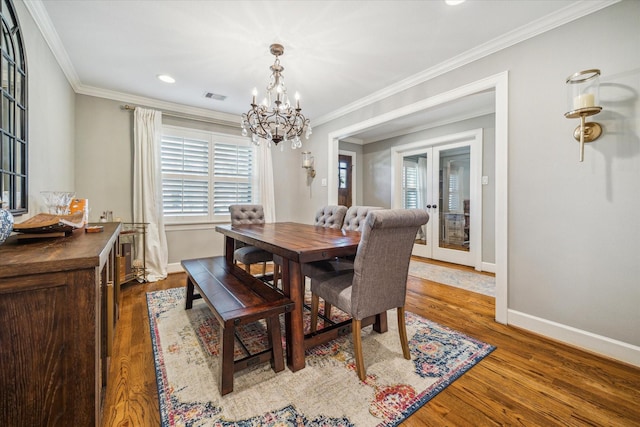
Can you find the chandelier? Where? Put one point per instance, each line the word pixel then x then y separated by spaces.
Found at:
pixel 275 119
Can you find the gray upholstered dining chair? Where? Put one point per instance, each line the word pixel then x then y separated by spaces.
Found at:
pixel 378 281
pixel 246 254
pixel 353 221
pixel 330 216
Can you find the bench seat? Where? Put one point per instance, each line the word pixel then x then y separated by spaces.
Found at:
pixel 236 298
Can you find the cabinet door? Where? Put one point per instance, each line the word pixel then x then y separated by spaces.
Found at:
pixel 47 349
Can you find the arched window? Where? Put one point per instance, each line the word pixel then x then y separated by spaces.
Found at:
pixel 13 114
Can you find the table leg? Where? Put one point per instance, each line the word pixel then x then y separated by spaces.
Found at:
pixel 229 247
pixel 293 287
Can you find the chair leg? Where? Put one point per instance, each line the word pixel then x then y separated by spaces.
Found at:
pixel 327 310
pixel 402 329
pixel 357 348
pixel 247 268
pixel 264 268
pixel 315 303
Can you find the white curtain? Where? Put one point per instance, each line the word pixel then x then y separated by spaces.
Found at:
pixel 263 179
pixel 147 189
pixel 423 191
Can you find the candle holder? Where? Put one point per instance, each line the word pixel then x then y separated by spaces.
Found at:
pixel 582 100
pixel 307 163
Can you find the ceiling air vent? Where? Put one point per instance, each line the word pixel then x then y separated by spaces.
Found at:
pixel 215 96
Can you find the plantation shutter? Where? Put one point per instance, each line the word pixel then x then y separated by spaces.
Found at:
pixel 233 171
pixel 185 172
pixel 410 186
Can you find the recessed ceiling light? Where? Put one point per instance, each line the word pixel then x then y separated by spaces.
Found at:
pixel 166 78
pixel 453 2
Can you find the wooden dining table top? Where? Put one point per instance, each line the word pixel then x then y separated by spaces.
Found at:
pixel 301 243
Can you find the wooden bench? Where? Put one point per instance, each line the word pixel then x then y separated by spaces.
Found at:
pixel 236 298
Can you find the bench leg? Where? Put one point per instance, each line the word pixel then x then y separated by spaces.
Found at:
pixel 226 366
pixel 275 342
pixel 190 291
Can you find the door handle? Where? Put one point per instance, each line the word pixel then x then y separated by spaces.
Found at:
pixel 428 206
pixel 432 206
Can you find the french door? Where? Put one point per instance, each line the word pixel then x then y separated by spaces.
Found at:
pixel 443 176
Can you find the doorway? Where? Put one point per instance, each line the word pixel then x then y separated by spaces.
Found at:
pixel 345 180
pixel 443 176
pixel 497 84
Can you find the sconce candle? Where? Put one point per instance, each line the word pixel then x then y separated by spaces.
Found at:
pixel 584 101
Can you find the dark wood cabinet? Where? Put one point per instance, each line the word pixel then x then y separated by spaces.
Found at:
pixel 53 328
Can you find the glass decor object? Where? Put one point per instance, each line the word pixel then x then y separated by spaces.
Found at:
pixel 6 223
pixel 57 202
pixel 583 99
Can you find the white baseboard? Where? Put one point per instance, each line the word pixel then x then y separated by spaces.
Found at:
pixel 489 267
pixel 594 343
pixel 175 267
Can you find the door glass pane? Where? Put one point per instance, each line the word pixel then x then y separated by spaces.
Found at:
pixel 415 188
pixel 454 185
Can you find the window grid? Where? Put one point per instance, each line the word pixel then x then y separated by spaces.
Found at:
pixel 13 114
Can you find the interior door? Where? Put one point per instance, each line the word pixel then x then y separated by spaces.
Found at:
pixel 445 181
pixel 345 180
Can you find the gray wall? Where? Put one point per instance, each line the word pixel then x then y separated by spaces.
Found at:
pixel 377 178
pixel 572 227
pixel 51 118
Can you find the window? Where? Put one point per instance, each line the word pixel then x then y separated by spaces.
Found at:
pixel 410 185
pixel 13 114
pixel 203 173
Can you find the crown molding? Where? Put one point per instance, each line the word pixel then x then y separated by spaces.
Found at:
pixel 171 108
pixel 43 22
pixel 563 16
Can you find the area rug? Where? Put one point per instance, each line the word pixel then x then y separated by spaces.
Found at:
pixel 469 280
pixel 326 392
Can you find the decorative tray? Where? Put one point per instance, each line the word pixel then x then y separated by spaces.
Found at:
pixel 50 223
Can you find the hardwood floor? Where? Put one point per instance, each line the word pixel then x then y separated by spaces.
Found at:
pixel 528 380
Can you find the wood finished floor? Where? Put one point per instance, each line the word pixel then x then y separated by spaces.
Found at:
pixel 527 381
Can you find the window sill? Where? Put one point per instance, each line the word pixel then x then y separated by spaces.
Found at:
pixel 193 226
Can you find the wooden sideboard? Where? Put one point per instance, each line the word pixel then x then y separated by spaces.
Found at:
pixel 53 327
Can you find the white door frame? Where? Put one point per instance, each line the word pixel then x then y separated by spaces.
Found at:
pixel 498 83
pixel 473 138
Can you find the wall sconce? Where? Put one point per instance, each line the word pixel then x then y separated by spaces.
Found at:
pixel 582 101
pixel 307 163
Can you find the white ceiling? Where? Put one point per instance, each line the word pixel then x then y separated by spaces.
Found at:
pixel 338 54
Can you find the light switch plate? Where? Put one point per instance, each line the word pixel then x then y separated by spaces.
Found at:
pixel 485 180
pixel 324 182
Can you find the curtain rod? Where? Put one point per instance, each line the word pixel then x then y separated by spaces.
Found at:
pixel 128 107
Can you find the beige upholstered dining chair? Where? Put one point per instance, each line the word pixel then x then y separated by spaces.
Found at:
pixel 248 255
pixel 378 281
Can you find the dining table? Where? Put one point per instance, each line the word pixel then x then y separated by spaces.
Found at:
pixel 297 244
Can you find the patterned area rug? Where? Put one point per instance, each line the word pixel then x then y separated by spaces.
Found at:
pixel 325 393
pixel 469 280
